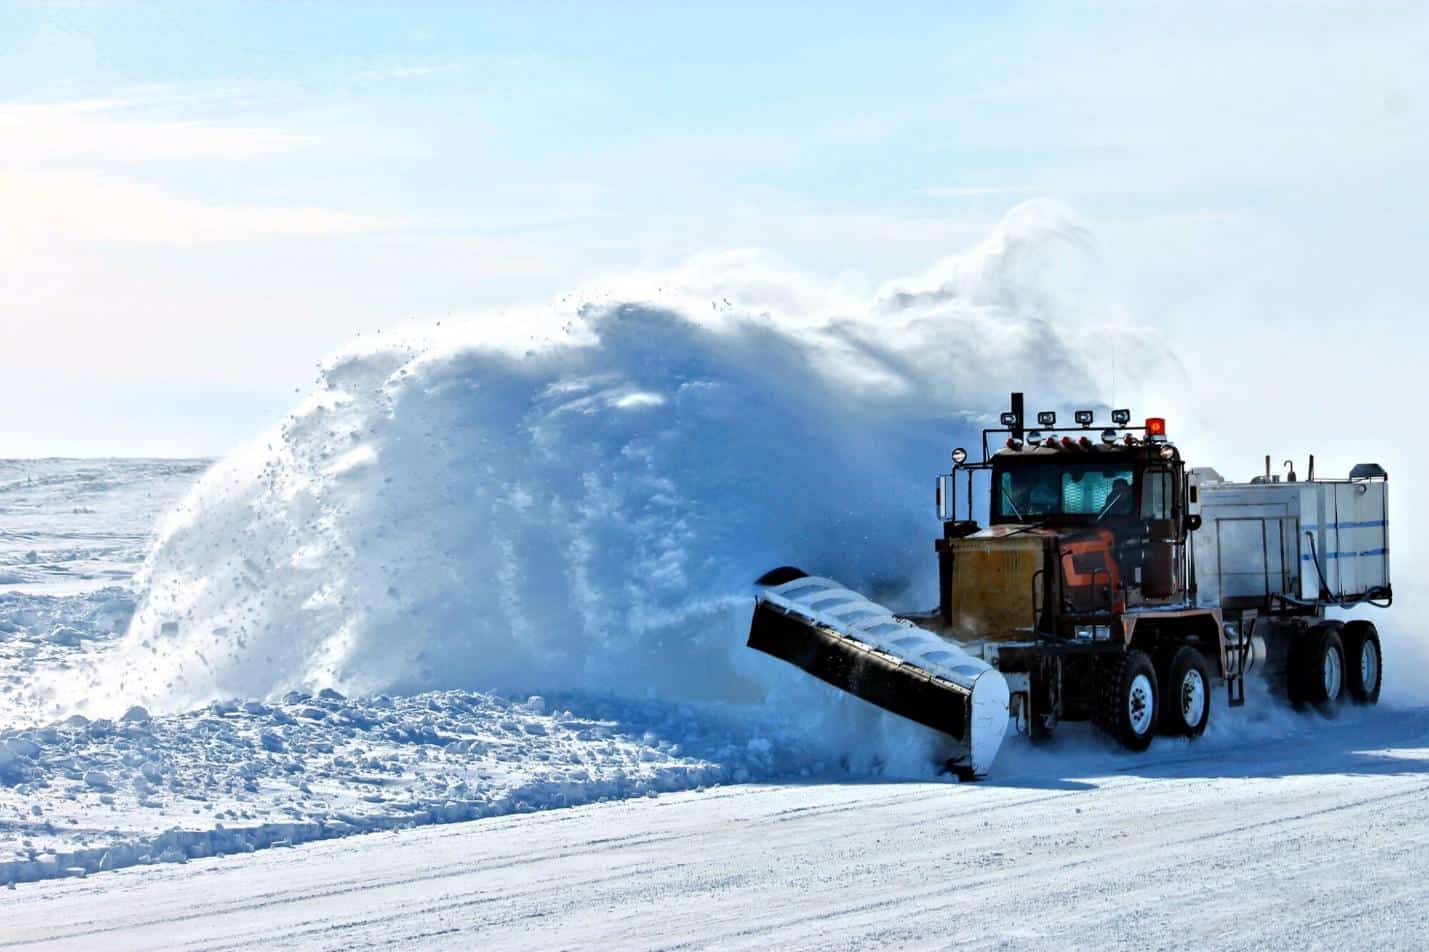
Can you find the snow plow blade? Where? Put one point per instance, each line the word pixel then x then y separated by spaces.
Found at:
pixel 860 647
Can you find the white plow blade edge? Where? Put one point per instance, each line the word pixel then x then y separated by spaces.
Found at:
pixel 847 640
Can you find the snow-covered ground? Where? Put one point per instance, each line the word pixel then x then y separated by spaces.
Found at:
pixel 78 525
pixel 1307 842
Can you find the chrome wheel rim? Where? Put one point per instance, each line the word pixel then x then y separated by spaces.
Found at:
pixel 1193 697
pixel 1369 665
pixel 1334 673
pixel 1140 704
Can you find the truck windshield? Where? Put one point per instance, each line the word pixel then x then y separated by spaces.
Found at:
pixel 1064 488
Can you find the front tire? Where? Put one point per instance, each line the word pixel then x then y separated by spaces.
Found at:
pixel 1317 672
pixel 1129 701
pixel 1364 661
pixel 1186 709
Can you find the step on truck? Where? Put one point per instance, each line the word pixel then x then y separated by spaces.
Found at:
pixel 1112 583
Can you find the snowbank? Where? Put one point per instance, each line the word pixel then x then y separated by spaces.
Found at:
pixel 82 796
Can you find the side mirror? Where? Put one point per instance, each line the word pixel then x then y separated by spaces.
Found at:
pixel 1193 522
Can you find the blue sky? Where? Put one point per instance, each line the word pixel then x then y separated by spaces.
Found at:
pixel 202 200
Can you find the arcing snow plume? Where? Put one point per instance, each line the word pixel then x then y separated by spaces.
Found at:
pixel 579 500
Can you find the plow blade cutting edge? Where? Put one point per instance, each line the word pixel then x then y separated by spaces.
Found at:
pixel 857 645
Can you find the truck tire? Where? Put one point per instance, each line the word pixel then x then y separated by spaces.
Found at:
pixel 1364 661
pixel 1128 700
pixel 1186 705
pixel 1317 667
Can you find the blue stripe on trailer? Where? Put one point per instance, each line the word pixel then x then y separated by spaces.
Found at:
pixel 1368 553
pixel 1372 524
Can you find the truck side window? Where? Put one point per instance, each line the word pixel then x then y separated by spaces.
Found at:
pixel 1156 494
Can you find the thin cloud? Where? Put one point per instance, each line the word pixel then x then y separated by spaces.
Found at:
pixel 413 71
pixel 69 205
pixel 96 130
pixel 976 191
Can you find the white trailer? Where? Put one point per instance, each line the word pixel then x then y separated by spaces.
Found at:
pixel 1273 555
pixel 1262 542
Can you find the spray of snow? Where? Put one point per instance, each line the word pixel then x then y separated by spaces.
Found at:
pixel 578 498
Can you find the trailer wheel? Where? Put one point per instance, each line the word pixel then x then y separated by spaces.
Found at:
pixel 1187 708
pixel 1364 661
pixel 1128 702
pixel 1317 668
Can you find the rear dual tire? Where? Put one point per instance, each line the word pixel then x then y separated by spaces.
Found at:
pixel 1134 702
pixel 1187 710
pixel 1317 668
pixel 1364 661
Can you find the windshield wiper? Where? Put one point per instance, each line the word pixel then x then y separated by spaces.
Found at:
pixel 1015 511
pixel 1030 526
pixel 1116 497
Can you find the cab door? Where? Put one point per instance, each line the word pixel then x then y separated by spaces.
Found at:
pixel 1157 510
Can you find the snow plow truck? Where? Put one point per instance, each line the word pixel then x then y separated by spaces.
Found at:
pixel 1112 583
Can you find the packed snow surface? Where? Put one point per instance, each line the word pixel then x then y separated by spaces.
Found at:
pixel 1317 840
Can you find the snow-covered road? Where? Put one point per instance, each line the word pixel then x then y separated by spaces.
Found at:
pixel 1316 840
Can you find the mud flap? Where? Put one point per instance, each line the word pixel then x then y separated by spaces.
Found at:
pixel 859 646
